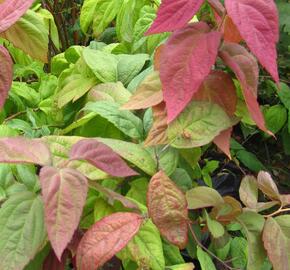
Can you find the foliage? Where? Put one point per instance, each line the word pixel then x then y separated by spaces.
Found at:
pixel 116 115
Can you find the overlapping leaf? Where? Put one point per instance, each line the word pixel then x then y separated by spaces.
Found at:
pixel 64 194
pixel 101 156
pixel 223 141
pixel 11 11
pixel 22 150
pixel 167 207
pixel 230 31
pixel 174 14
pixel 6 75
pixel 147 94
pixel 260 30
pixel 185 61
pixel 246 69
pixel 105 238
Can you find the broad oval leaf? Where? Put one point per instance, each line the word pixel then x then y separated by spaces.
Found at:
pixel 22 230
pixel 198 125
pixel 101 156
pixel 147 94
pixel 106 238
pixel 201 197
pixel 249 191
pixel 276 238
pixel 246 69
pixel 167 208
pixel 22 150
pixel 260 30
pixel 64 194
pixel 6 75
pixel 29 34
pixel 185 61
pixel 11 11
pixel 174 14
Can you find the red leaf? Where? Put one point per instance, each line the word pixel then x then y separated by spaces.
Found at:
pixel 174 14
pixel 167 207
pixel 11 11
pixel 22 150
pixel 231 33
pixel 245 66
pixel 52 263
pixel 106 238
pixel 6 74
pixel 186 60
pixel 102 157
pixel 218 87
pixel 258 24
pixel 64 194
pixel 222 141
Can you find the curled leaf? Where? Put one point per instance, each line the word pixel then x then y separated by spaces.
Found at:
pixel 64 194
pixel 167 207
pixel 101 156
pixel 106 238
pixel 267 185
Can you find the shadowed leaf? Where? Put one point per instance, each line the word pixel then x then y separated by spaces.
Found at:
pixel 6 75
pixel 106 238
pixel 231 33
pixel 167 207
pixel 64 194
pixel 267 185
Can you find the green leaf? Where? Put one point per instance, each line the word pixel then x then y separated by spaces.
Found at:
pixel 249 191
pixel 172 254
pixel 22 231
pixel 133 153
pixel 276 117
pixel 125 121
pixel 216 229
pixel 29 34
pixel 253 224
pixel 29 94
pixel 205 260
pixel 146 248
pixel 284 95
pixel 103 65
pixel 198 125
pixel 102 209
pixel 184 266
pixel 201 197
pixel 138 190
pixel 182 179
pixel 239 252
pixel 129 66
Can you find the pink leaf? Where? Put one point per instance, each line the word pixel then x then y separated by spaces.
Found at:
pixel 245 66
pixel 258 24
pixel 64 194
pixel 167 207
pixel 222 141
pixel 11 11
pixel 6 74
pixel 22 150
pixel 101 156
pixel 174 14
pixel 186 60
pixel 106 238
